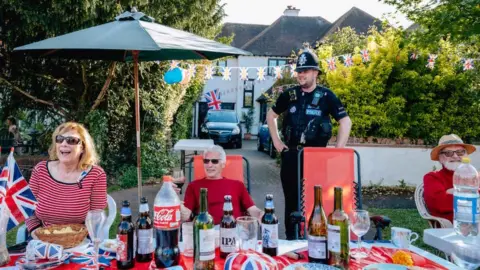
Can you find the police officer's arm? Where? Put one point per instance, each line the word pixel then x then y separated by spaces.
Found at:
pixel 280 106
pixel 338 112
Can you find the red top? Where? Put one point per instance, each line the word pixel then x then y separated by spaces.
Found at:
pixel 62 203
pixel 217 189
pixel 439 202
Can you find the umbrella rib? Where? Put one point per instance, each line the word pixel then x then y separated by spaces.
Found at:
pixel 49 52
pixel 201 54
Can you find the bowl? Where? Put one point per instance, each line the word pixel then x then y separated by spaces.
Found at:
pixel 66 235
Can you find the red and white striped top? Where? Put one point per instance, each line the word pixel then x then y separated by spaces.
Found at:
pixel 62 203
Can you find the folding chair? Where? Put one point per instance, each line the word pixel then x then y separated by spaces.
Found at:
pixel 233 169
pixel 330 167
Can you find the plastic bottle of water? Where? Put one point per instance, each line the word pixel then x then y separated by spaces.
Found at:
pixel 466 199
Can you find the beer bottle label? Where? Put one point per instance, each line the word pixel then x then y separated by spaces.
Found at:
pixel 207 244
pixel 122 247
pixel 166 217
pixel 317 247
pixel 228 240
pixel 270 235
pixel 145 241
pixel 334 238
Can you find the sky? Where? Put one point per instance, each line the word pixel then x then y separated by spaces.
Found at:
pixel 267 11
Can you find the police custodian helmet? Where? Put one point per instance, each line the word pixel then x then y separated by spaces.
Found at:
pixel 307 60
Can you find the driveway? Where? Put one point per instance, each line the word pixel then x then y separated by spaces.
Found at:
pixel 264 174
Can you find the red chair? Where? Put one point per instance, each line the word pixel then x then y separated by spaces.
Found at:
pixel 234 169
pixel 328 167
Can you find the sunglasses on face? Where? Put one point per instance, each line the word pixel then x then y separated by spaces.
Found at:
pixel 214 161
pixel 70 140
pixel 449 153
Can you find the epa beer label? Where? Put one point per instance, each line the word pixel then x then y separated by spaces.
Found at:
pixel 166 217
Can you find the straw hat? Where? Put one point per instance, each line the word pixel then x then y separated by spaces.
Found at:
pixel 450 140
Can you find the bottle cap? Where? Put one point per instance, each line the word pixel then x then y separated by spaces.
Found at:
pixel 465 160
pixel 167 178
pixel 143 200
pixel 126 203
pixel 227 198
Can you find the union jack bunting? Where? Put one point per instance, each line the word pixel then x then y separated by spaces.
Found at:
pixel 213 99
pixel 278 72
pixel 431 61
pixel 192 69
pixel 365 55
pixel 227 73
pixel 174 64
pixel 331 63
pixel 414 56
pixel 243 73
pixel 15 193
pixel 43 250
pixel 347 58
pixel 87 258
pixel 468 64
pixel 293 73
pixel 209 72
pixel 261 73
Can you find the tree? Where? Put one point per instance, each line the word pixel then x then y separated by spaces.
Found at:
pixel 458 19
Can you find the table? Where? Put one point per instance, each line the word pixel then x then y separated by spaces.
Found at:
pixel 191 145
pixel 443 239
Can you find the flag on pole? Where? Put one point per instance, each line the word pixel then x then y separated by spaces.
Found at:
pixel 15 193
pixel 213 99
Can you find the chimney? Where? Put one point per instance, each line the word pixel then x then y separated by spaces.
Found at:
pixel 291 11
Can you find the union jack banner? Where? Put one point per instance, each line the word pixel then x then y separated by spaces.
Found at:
pixel 347 58
pixel 365 55
pixel 209 72
pixel 431 61
pixel 331 63
pixel 213 99
pixel 244 73
pixel 414 56
pixel 226 74
pixel 87 258
pixel 278 72
pixel 261 73
pixel 15 193
pixel 468 64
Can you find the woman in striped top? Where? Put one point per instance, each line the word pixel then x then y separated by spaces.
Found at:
pixel 70 183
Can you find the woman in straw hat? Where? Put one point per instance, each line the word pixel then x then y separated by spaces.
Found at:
pixel 438 185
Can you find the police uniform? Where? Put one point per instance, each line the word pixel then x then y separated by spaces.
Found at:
pixel 306 123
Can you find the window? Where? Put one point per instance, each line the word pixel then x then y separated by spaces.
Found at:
pixel 272 63
pixel 248 90
pixel 219 65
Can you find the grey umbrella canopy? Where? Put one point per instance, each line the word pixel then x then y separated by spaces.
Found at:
pixel 132 37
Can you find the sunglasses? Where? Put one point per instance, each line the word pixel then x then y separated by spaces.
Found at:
pixel 70 140
pixel 214 161
pixel 449 153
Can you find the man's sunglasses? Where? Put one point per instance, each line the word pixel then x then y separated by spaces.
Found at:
pixel 449 153
pixel 70 140
pixel 214 161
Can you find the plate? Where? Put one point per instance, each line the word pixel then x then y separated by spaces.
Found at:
pixel 80 247
pixel 107 242
pixel 385 266
pixel 315 266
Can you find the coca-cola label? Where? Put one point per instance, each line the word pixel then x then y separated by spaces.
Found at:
pixel 166 217
pixel 122 247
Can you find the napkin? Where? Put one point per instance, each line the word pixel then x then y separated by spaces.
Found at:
pixel 37 249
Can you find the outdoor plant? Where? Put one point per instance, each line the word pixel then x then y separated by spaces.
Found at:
pixel 248 121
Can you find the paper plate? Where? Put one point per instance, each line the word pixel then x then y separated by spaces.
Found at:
pixel 385 266
pixel 109 245
pixel 315 266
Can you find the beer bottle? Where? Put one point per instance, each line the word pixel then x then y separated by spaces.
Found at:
pixel 228 233
pixel 338 233
pixel 125 239
pixel 269 228
pixel 204 236
pixel 317 231
pixel 144 233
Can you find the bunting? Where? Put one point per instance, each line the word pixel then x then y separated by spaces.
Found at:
pixel 431 61
pixel 467 64
pixel 208 72
pixel 331 63
pixel 261 74
pixel 226 74
pixel 347 60
pixel 365 55
pixel 278 72
pixel 244 73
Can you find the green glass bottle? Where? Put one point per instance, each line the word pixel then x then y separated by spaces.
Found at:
pixel 204 236
pixel 338 233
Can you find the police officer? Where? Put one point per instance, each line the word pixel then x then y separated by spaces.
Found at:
pixel 306 123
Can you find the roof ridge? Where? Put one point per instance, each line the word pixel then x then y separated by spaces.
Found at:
pixel 340 20
pixel 261 33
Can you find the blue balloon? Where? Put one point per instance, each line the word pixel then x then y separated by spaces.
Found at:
pixel 173 76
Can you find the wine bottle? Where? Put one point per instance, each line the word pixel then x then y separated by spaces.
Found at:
pixel 204 236
pixel 317 231
pixel 338 233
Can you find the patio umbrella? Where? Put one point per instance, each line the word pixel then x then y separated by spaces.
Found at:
pixel 132 37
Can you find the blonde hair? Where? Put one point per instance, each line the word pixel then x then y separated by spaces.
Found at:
pixel 89 157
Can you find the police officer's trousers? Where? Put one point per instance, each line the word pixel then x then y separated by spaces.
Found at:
pixel 289 177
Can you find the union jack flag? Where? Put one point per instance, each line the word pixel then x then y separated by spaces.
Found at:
pixel 365 55
pixel 348 60
pixel 468 64
pixel 331 63
pixel 213 99
pixel 88 259
pixel 431 61
pixel 15 193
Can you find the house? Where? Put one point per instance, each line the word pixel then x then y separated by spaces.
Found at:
pixel 270 45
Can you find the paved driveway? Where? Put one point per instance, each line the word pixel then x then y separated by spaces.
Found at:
pixel 265 178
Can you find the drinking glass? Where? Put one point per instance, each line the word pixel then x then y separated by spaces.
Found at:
pixel 359 224
pixel 178 178
pixel 466 255
pixel 247 230
pixel 94 221
pixel 187 239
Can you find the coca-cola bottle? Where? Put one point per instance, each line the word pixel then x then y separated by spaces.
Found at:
pixel 126 239
pixel 144 233
pixel 166 223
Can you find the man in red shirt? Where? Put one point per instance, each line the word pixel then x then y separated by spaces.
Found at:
pixel 214 159
pixel 438 185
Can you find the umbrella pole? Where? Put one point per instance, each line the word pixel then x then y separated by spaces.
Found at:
pixel 137 124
